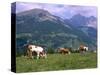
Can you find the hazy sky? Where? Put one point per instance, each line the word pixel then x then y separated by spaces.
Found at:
pixel 63 11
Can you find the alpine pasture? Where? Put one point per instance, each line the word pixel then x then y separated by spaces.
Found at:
pixel 55 62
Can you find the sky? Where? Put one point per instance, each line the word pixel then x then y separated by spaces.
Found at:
pixel 63 11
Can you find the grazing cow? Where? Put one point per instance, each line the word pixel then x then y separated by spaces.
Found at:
pixel 36 51
pixel 82 49
pixel 64 51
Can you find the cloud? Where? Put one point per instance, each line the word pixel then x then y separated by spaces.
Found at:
pixel 85 10
pixel 63 11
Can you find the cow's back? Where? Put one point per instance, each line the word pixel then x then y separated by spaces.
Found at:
pixel 35 48
pixel 40 49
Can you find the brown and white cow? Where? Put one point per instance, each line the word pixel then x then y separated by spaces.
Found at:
pixel 82 49
pixel 33 50
pixel 64 50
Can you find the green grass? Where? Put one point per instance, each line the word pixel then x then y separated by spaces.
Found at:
pixel 56 62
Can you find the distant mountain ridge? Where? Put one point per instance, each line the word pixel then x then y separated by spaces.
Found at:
pixel 79 20
pixel 42 28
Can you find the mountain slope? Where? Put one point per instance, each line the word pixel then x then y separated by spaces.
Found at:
pixel 39 27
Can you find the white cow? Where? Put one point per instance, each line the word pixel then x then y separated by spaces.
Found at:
pixel 39 51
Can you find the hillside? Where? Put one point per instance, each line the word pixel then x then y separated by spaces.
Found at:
pixel 40 27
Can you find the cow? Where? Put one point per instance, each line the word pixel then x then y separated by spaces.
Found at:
pixel 82 49
pixel 33 50
pixel 64 50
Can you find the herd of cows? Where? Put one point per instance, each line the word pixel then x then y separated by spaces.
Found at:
pixel 39 52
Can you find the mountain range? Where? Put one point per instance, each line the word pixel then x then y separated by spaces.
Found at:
pixel 38 26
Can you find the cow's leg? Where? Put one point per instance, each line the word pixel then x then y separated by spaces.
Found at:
pixel 34 54
pixel 38 55
pixel 69 52
pixel 30 54
pixel 44 55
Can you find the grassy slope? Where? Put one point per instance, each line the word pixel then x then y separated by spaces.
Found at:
pixel 56 62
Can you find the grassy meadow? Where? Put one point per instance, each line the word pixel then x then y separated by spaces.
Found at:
pixel 56 62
